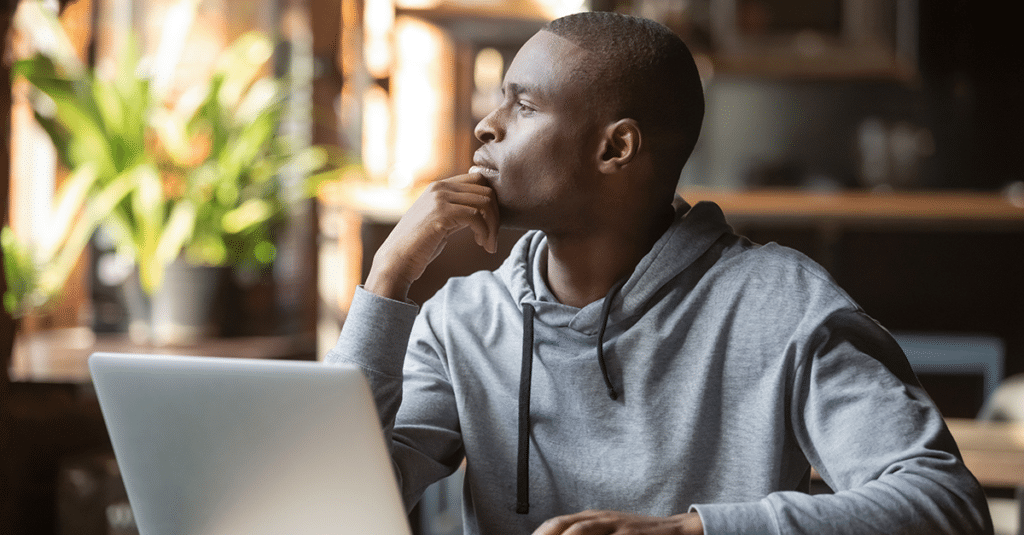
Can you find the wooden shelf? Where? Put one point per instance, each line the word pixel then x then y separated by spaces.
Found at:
pixel 928 210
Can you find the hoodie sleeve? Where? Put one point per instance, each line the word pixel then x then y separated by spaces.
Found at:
pixel 404 379
pixel 867 426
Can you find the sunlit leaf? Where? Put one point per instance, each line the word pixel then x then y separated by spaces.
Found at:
pixel 240 64
pixel 227 193
pixel 262 96
pixel 148 214
pixel 109 104
pixel 207 250
pixel 19 271
pixel 177 231
pixel 53 277
pixel 68 205
pixel 251 212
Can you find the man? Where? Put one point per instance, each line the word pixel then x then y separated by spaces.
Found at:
pixel 634 366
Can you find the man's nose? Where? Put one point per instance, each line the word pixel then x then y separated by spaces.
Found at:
pixel 488 128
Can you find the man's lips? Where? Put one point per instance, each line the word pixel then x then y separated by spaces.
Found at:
pixel 485 168
pixel 486 172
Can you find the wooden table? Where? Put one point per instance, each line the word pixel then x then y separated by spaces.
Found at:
pixel 60 356
pixel 992 451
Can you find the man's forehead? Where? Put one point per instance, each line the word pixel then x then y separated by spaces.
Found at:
pixel 546 57
pixel 556 40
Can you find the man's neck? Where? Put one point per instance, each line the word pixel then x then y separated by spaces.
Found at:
pixel 581 269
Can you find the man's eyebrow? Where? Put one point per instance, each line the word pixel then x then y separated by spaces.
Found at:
pixel 515 89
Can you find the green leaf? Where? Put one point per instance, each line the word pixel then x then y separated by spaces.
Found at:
pixel 251 213
pixel 240 64
pixel 123 123
pixel 41 72
pixel 70 200
pixel 310 159
pixel 179 228
pixel 52 279
pixel 311 186
pixel 75 111
pixel 127 81
pixel 19 271
pixel 263 96
pixel 252 140
pixel 147 208
pixel 111 109
pixel 59 135
pixel 208 249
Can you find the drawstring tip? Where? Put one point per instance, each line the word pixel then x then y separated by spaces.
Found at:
pixel 612 393
pixel 523 508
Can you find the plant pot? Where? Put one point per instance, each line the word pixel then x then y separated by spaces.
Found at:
pixel 182 311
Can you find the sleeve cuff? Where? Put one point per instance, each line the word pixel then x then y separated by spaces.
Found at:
pixel 375 334
pixel 736 518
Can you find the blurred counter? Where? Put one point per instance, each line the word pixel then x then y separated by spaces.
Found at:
pixel 60 356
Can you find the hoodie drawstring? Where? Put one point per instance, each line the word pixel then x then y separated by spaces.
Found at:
pixel 523 468
pixel 525 378
pixel 605 309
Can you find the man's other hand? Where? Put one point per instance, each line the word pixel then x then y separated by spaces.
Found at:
pixel 616 523
pixel 445 207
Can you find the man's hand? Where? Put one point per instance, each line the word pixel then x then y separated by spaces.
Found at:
pixel 616 523
pixel 445 207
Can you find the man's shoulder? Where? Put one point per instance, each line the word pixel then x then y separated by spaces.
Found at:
pixel 474 283
pixel 773 259
pixel 776 272
pixel 468 292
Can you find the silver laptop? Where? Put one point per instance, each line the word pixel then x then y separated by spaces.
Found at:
pixel 223 446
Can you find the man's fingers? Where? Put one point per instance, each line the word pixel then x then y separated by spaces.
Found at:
pixel 493 221
pixel 560 525
pixel 461 216
pixel 615 522
pixel 420 235
pixel 483 217
pixel 476 183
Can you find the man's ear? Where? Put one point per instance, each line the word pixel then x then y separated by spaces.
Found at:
pixel 619 145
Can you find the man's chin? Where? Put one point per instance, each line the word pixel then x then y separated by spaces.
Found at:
pixel 511 218
pixel 517 220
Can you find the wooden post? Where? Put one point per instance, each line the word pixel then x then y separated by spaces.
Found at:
pixel 7 323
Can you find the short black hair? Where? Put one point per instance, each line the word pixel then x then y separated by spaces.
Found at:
pixel 645 72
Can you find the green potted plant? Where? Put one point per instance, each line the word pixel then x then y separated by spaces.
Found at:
pixel 192 180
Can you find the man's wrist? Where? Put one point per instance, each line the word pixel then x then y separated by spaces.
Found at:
pixel 690 524
pixel 385 284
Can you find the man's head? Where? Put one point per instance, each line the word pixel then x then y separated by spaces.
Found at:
pixel 641 70
pixel 590 100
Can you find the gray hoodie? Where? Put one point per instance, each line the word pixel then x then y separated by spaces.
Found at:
pixel 725 371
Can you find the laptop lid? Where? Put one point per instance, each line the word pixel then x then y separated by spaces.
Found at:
pixel 222 446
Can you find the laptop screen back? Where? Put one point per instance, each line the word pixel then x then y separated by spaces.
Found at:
pixel 237 446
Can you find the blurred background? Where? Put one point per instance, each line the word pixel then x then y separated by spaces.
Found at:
pixel 213 177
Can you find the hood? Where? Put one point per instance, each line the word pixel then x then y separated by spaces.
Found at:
pixel 691 233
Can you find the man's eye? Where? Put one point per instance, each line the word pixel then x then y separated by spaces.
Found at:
pixel 523 107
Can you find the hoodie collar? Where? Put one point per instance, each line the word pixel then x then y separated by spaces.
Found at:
pixel 692 232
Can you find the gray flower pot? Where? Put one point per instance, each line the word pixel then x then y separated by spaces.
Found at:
pixel 182 311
